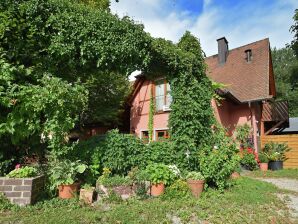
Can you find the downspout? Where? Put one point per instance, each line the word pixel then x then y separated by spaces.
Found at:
pixel 254 125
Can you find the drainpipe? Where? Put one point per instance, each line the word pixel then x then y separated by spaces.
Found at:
pixel 254 125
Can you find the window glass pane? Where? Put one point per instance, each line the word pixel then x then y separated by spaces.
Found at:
pixel 159 94
pixel 169 97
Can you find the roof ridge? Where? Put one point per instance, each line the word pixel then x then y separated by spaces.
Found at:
pixel 267 38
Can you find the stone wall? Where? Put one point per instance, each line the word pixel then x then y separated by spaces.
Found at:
pixel 22 191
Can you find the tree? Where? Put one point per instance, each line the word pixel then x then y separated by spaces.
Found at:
pixel 294 30
pixel 67 62
pixel 285 66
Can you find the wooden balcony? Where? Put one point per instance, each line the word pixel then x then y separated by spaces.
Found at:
pixel 275 115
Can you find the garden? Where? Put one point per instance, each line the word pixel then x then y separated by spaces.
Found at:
pixel 63 65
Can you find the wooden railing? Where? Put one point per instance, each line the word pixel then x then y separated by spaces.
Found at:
pixel 275 111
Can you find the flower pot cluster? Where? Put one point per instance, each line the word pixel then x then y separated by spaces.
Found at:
pixel 272 156
pixel 160 176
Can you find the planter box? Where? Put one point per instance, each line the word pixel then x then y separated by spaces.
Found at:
pixel 123 191
pixel 22 191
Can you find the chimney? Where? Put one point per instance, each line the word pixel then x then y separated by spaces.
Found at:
pixel 223 50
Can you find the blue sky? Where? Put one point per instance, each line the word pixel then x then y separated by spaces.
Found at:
pixel 240 21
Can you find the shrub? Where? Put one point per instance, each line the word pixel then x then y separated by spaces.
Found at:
pixel 23 172
pixel 160 173
pixel 218 161
pixel 195 176
pixel 263 158
pixel 160 152
pixel 248 161
pixel 114 181
pixel 179 189
pixel 5 203
pixel 122 152
pixel 64 172
pixel 276 151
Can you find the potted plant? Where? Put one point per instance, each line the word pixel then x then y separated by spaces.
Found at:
pixel 159 175
pixel 87 193
pixel 63 175
pixel 276 153
pixel 236 173
pixel 263 161
pixel 195 181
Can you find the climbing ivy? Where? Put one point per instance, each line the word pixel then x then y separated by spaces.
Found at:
pixel 84 47
pixel 151 117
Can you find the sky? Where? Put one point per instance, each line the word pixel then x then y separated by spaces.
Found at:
pixel 240 21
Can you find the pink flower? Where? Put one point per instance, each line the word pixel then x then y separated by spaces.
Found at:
pixel 18 166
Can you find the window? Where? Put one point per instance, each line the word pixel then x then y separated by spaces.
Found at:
pixel 162 95
pixel 145 137
pixel 161 135
pixel 248 55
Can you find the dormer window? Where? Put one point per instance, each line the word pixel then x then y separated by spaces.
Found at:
pixel 248 56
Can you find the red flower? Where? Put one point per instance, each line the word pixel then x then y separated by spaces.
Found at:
pixel 18 166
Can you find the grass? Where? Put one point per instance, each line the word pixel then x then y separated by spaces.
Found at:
pixel 248 201
pixel 285 173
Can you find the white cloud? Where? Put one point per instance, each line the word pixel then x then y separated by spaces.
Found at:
pixel 241 24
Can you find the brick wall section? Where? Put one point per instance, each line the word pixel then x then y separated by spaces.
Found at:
pixel 22 191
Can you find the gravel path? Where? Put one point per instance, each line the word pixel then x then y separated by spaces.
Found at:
pixel 288 184
pixel 283 183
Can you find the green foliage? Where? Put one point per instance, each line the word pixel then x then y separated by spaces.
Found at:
pixel 276 151
pixel 114 181
pixel 90 152
pixel 214 207
pixel 191 117
pixel 194 176
pixel 5 203
pixel 160 173
pixel 218 161
pixel 23 172
pixel 242 134
pixel 248 160
pixel 294 30
pixel 122 152
pixel 64 172
pixel 263 157
pixel 100 4
pixel 285 66
pixel 5 164
pixel 160 152
pixel 179 189
pixel 217 86
pixel 151 117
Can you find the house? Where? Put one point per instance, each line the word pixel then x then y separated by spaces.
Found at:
pixel 249 93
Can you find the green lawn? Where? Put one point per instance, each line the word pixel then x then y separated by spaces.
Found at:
pixel 285 173
pixel 248 201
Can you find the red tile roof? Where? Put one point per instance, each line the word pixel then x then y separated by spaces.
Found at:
pixel 246 81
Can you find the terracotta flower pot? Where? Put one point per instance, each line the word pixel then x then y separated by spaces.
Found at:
pixel 263 166
pixel 68 191
pixel 87 195
pixel 157 189
pixel 235 175
pixel 196 187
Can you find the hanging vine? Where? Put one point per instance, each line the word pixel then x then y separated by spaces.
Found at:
pixel 151 117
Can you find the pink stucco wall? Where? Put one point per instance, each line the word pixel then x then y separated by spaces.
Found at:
pixel 231 115
pixel 139 113
pixel 228 113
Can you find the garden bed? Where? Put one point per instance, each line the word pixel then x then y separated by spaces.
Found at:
pixel 21 191
pixel 248 201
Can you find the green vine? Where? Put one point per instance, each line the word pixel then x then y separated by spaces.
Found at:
pixel 151 117
pixel 91 51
